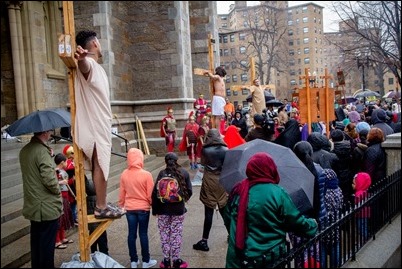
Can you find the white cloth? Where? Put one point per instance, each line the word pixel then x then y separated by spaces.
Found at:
pixel 218 104
pixel 93 119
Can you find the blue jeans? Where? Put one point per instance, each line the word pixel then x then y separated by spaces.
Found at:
pixel 138 219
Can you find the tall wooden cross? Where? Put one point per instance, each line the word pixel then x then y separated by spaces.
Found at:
pixel 201 71
pixel 252 78
pixel 316 104
pixel 66 52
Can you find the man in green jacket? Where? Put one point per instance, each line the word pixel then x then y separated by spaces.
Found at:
pixel 42 199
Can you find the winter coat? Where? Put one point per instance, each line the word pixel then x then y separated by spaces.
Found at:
pixel 42 199
pixel 375 162
pixel 378 118
pixel 321 156
pixel 342 166
pixel 273 214
pixel 213 153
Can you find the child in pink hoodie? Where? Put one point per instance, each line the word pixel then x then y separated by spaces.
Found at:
pixel 361 183
pixel 136 185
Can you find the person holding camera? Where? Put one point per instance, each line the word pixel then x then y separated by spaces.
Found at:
pixel 260 129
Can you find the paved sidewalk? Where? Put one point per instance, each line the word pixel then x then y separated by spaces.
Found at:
pixel 117 236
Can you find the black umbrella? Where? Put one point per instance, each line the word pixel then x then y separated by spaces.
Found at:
pixel 295 178
pixel 40 121
pixel 274 102
pixel 268 96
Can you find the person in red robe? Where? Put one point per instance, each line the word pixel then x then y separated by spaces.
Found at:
pixel 168 129
pixel 189 140
pixel 232 137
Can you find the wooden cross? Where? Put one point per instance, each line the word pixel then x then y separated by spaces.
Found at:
pixel 316 104
pixel 253 77
pixel 201 72
pixel 66 52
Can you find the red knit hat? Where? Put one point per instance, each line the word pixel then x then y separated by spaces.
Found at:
pixel 68 150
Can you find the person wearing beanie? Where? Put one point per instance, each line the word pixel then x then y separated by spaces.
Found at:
pixel 333 200
pixel 354 117
pixel 378 120
pixel 68 152
pixel 362 126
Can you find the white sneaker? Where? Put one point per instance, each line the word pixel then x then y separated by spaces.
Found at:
pixel 149 264
pixel 134 265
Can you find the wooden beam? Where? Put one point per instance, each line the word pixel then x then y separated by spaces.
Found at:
pixel 67 48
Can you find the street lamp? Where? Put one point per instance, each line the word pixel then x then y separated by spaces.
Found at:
pixel 361 63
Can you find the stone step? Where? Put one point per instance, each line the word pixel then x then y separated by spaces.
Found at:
pixel 15 228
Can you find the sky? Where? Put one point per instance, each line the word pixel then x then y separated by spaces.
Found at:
pixel 329 18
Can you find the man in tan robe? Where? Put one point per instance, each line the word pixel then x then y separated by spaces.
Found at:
pixel 258 97
pixel 94 117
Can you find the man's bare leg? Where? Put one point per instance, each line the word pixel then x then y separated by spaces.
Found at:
pixel 99 182
pixel 216 122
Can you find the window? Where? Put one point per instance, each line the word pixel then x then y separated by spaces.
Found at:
pixel 234 65
pixel 292 82
pixel 225 52
pixel 227 79
pixel 290 23
pixel 227 66
pixel 244 77
pixel 304 9
pixel 390 81
pixel 305 29
pixel 242 50
pixel 244 91
pixel 225 39
pixel 224 25
pixel 290 32
pixel 306 60
pixel 291 52
pixel 291 42
pixel 305 19
pixel 292 72
pixel 242 36
pixel 232 51
pixel 235 93
pixel 243 64
pixel 291 62
pixel 232 38
pixel 245 24
pixel 228 92
pixel 297 21
pixel 220 52
pixel 305 40
pixel 234 78
pixel 224 18
pixel 306 50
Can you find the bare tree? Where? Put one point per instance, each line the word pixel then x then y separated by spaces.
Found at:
pixel 265 28
pixel 376 30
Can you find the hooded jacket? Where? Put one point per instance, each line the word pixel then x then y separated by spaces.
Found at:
pixel 136 184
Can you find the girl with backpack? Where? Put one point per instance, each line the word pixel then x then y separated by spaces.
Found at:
pixel 171 191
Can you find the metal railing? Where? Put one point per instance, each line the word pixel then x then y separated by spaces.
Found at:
pixel 340 240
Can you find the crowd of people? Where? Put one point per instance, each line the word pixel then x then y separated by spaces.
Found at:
pixel 345 161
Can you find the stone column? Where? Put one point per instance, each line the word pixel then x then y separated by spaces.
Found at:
pixel 392 147
pixel 17 50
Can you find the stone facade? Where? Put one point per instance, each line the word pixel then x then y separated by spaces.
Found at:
pixel 149 52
